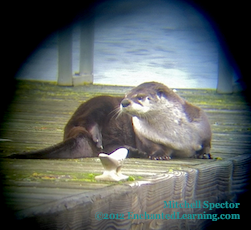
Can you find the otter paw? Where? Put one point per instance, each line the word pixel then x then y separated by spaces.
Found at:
pixel 135 153
pixel 159 158
pixel 205 156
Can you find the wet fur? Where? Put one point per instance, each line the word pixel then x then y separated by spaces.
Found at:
pixel 94 127
pixel 104 123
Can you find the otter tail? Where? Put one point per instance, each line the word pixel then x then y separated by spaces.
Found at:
pixel 71 148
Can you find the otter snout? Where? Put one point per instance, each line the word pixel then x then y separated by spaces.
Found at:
pixel 125 103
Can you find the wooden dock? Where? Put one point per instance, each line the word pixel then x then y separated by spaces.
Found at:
pixel 63 194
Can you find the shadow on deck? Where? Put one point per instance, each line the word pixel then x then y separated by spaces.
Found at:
pixel 63 194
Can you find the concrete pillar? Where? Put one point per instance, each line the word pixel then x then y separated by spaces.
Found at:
pixel 225 74
pixel 65 57
pixel 86 53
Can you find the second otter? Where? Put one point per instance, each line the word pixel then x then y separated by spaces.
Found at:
pixel 151 121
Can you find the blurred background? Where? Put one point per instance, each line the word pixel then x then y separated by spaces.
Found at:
pixel 136 41
pixel 174 42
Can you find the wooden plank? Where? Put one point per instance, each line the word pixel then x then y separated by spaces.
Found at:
pixel 48 189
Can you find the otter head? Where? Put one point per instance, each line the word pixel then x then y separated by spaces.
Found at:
pixel 148 98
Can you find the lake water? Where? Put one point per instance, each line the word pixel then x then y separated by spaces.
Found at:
pixel 166 42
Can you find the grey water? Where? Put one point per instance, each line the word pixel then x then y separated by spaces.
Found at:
pixel 169 42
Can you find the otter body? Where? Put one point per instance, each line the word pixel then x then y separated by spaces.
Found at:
pixel 165 124
pixel 151 121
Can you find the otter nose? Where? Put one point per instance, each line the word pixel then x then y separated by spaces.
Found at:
pixel 125 103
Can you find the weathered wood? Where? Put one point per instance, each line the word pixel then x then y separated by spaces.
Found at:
pixel 56 194
pixel 225 74
pixel 65 57
pixel 86 53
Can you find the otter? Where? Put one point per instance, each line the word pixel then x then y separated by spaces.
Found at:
pixel 151 121
pixel 165 124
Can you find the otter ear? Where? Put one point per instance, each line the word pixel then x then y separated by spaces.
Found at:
pixel 160 93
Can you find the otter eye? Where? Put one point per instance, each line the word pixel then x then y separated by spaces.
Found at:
pixel 140 97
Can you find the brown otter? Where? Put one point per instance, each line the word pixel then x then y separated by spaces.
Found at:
pixel 151 121
pixel 165 124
